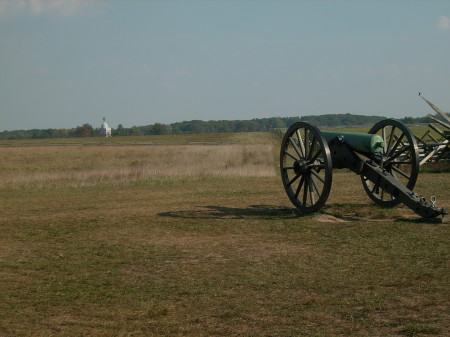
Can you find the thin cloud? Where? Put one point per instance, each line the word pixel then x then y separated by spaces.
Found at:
pixel 12 7
pixel 179 73
pixel 145 67
pixel 443 23
pixel 43 7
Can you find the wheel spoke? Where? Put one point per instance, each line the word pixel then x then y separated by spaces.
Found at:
pixel 306 143
pixel 293 179
pixel 317 176
pixel 305 192
pixel 393 174
pixel 290 155
pixel 375 187
pixel 311 192
pixel 399 152
pixel 401 172
pixel 391 138
pixel 403 163
pixel 315 187
pixel 313 159
pixel 300 141
pixel 396 144
pixel 299 187
pixel 311 148
pixel 297 149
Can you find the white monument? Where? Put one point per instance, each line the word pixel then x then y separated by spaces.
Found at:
pixel 105 130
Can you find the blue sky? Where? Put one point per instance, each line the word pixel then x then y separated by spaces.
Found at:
pixel 64 63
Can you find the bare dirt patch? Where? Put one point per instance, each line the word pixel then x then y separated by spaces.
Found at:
pixel 333 219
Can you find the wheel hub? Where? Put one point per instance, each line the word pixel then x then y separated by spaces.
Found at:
pixel 301 167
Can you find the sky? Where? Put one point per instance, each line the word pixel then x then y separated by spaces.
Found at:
pixel 64 63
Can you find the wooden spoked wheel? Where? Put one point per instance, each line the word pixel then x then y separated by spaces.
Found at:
pixel 400 157
pixel 306 168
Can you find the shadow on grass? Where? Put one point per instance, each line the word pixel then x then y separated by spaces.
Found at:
pixel 437 220
pixel 372 212
pixel 329 213
pixel 219 212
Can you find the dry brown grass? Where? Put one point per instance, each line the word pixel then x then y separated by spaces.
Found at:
pixel 90 165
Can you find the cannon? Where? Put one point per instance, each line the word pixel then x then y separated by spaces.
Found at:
pixel 386 159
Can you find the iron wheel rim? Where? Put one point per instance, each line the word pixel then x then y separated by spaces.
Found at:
pixel 306 167
pixel 400 158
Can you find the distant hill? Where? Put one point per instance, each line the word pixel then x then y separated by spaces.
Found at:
pixel 198 126
pixel 342 120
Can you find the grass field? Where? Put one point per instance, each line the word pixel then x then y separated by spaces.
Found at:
pixel 113 241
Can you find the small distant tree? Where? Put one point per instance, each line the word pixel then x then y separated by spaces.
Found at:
pixel 61 133
pixel 120 131
pixel 161 129
pixel 136 131
pixel 278 123
pixel 176 128
pixel 408 120
pixel 84 131
pixel 198 126
pixel 45 134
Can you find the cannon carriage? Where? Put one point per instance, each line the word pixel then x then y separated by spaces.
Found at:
pixel 434 144
pixel 387 159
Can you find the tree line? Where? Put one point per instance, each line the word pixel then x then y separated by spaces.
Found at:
pixel 198 126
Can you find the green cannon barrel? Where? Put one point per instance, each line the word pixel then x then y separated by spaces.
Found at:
pixel 360 142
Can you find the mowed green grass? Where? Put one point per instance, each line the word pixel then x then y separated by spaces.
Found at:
pixel 205 255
